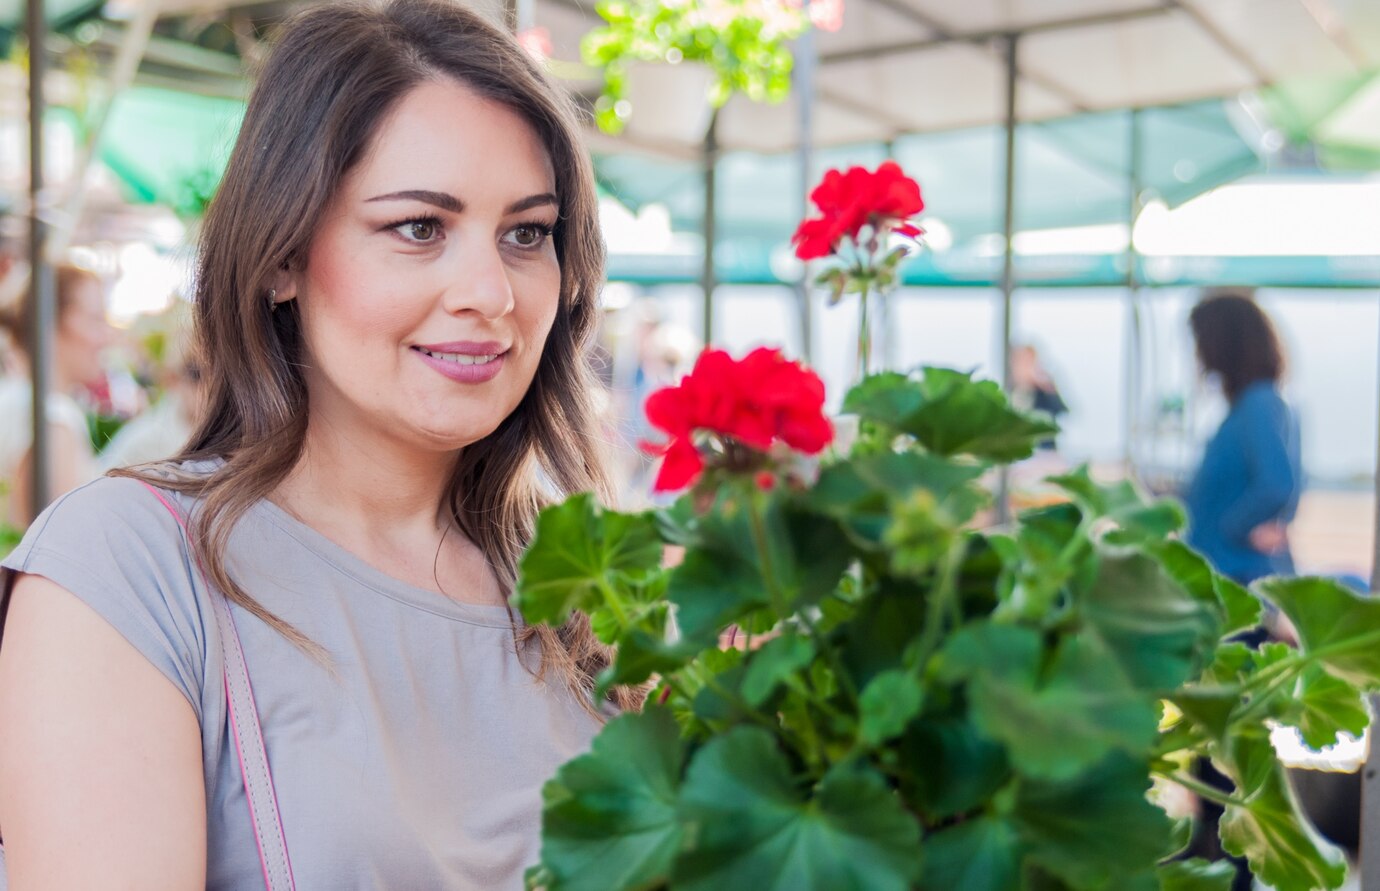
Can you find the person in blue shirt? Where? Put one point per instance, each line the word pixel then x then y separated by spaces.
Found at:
pixel 1247 488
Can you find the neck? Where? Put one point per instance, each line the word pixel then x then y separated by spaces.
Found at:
pixel 359 481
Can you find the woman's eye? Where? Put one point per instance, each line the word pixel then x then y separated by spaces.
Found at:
pixel 419 231
pixel 530 235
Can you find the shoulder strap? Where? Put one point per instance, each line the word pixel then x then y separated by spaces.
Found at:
pixel 249 742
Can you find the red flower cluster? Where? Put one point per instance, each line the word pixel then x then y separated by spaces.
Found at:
pixel 849 201
pixel 754 401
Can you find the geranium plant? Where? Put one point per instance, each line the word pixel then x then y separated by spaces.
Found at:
pixel 865 227
pixel 743 42
pixel 855 686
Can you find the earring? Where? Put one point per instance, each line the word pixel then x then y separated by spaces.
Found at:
pixel 272 299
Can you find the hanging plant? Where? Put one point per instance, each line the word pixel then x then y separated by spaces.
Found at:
pixel 742 42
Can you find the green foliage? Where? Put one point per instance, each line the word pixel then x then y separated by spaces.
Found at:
pixel 920 704
pixel 743 42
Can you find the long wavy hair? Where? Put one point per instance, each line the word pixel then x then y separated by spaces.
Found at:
pixel 334 74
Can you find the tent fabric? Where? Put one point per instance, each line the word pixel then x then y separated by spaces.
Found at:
pixel 917 66
pixel 1070 172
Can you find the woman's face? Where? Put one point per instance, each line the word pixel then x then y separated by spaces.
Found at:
pixel 432 280
pixel 83 334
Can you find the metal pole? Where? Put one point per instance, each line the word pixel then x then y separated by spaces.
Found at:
pixel 1370 773
pixel 1134 353
pixel 40 274
pixel 887 303
pixel 708 279
pixel 126 65
pixel 805 63
pixel 1008 270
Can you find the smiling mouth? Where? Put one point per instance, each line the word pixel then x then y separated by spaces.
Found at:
pixel 459 358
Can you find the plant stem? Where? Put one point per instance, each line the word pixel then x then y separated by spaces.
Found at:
pixel 830 654
pixel 759 540
pixel 939 601
pixel 614 604
pixel 1202 790
pixel 864 337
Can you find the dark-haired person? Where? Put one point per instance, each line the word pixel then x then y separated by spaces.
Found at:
pixel 1247 487
pixel 82 334
pixel 396 291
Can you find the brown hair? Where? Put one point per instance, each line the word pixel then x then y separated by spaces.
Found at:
pixel 18 320
pixel 1236 340
pixel 336 71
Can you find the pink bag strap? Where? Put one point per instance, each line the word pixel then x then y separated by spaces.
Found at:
pixel 249 742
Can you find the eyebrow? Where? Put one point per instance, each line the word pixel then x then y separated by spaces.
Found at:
pixel 455 205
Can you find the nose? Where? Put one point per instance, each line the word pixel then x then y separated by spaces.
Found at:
pixel 481 284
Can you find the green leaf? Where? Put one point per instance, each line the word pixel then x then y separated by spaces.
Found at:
pixel 1324 706
pixel 1283 848
pixel 580 549
pixel 1336 626
pixel 977 855
pixel 776 660
pixel 1234 605
pixel 887 704
pixel 609 817
pixel 863 491
pixel 1096 827
pixel 640 655
pixel 961 767
pixel 1135 514
pixel 721 579
pixel 1207 706
pixel 886 624
pixel 1055 721
pixel 949 414
pixel 1157 630
pixel 1197 875
pixel 755 829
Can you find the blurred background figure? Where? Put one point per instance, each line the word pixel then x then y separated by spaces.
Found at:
pixel 175 374
pixel 1032 387
pixel 1247 487
pixel 81 337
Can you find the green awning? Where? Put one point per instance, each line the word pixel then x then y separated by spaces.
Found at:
pixel 1070 172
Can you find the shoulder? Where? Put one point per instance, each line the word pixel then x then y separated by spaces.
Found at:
pixel 116 546
pixel 1262 397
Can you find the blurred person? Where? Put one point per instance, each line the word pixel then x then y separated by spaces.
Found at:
pixel 81 337
pixel 396 293
pixel 1032 387
pixel 161 430
pixel 1247 486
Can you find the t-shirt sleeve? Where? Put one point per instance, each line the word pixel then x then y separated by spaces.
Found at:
pixel 115 546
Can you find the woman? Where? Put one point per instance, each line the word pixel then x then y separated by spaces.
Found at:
pixel 82 334
pixel 396 288
pixel 1247 488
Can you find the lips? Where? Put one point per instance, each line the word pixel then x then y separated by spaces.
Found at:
pixel 465 362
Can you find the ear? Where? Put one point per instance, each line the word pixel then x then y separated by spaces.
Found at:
pixel 284 284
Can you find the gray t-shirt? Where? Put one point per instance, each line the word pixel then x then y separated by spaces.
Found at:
pixel 418 764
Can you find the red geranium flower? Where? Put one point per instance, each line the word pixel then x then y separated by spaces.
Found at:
pixel 757 401
pixel 849 201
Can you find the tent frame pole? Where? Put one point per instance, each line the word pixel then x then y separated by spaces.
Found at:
pixel 708 277
pixel 1135 336
pixel 1008 269
pixel 1370 773
pixel 133 44
pixel 40 273
pixel 806 59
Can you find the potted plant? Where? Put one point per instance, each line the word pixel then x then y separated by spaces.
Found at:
pixel 740 44
pixel 857 688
